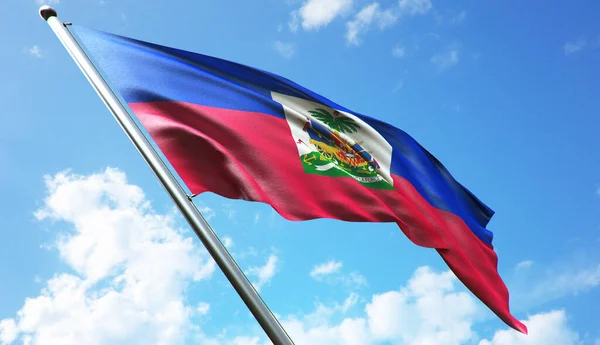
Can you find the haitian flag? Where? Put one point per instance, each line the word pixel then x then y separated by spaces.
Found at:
pixel 245 133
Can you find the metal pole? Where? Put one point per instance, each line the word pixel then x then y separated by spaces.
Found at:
pixel 217 250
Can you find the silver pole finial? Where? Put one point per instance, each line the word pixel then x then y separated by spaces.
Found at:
pixel 47 12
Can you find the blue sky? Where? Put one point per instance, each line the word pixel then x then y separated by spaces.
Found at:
pixel 504 93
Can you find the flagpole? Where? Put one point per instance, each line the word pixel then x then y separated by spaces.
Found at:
pixel 215 247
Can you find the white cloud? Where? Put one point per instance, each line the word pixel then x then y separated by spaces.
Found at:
pixel 458 18
pixel 287 50
pixel 314 14
pixel 317 328
pixel 348 332
pixel 325 268
pixel 47 2
pixel 553 281
pixel 36 52
pixel 131 264
pixel 294 23
pixel 572 282
pixel 428 310
pixel 349 302
pixel 383 18
pixel 354 280
pixel 207 212
pixel 256 218
pixel 264 273
pixel 245 340
pixel 330 273
pixel 415 7
pixel 249 252
pixel 544 328
pixel 364 18
pixel 229 211
pixel 598 191
pixel 323 314
pixel 574 46
pixel 227 242
pixel 398 51
pixel 524 264
pixel 202 308
pixel 446 59
pixel 451 17
pixel 8 331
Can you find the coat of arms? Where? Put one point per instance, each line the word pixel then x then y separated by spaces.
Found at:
pixel 333 143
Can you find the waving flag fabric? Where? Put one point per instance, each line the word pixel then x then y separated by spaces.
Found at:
pixel 245 133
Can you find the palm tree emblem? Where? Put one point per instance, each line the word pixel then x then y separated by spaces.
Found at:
pixel 335 121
